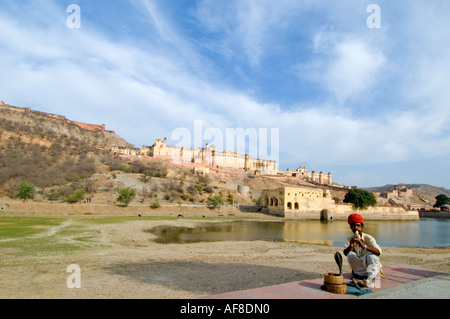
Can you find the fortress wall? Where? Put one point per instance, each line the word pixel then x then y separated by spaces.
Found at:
pixel 86 126
pixel 52 116
pixel 342 211
pixel 372 213
pixel 208 156
pixel 229 160
pixel 11 108
pixel 303 174
pixel 61 118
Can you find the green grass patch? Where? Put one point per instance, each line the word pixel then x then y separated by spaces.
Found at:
pixel 16 234
pixel 20 227
pixel 39 247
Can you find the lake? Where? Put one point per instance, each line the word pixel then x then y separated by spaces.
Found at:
pixel 427 232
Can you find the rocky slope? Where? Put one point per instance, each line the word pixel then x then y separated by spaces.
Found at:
pixel 59 156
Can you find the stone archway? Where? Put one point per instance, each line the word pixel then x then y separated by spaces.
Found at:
pixel 326 214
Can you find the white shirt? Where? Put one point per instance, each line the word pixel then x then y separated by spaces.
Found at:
pixel 368 240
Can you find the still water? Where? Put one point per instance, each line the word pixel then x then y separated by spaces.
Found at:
pixel 424 233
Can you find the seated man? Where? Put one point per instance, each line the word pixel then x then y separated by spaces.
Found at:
pixel 362 252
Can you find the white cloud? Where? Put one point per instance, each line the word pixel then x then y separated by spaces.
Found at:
pixel 354 69
pixel 345 66
pixel 147 91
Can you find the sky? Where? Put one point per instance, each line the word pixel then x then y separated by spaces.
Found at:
pixel 346 87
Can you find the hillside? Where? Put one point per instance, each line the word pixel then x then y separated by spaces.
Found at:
pixel 59 156
pixel 41 128
pixel 49 150
pixel 423 194
pixel 423 189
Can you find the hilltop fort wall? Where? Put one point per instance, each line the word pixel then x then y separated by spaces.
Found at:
pixel 209 156
pixel 29 111
pixel 398 191
pixel 302 173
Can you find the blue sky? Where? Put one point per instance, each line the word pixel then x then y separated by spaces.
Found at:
pixel 370 105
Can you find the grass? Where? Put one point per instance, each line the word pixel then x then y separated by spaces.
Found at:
pixel 18 234
pixel 18 241
pixel 21 227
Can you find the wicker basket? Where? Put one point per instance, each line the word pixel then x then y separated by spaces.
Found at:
pixel 335 283
pixel 336 289
pixel 334 279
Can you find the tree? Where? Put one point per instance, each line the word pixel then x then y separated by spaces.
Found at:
pixel 77 196
pixel 192 190
pixel 26 190
pixel 154 205
pixel 360 198
pixel 126 195
pixel 230 199
pixel 145 193
pixel 146 176
pixel 441 200
pixel 215 201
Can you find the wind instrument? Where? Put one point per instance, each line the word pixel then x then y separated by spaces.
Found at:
pixel 358 236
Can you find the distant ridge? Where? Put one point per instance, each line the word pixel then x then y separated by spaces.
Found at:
pixel 424 189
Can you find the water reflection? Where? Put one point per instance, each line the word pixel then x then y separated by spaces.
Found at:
pixel 423 233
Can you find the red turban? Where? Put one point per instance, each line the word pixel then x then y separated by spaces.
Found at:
pixel 355 218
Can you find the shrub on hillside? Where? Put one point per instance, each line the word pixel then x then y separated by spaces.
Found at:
pixel 126 195
pixel 208 189
pixel 26 191
pixel 42 168
pixel 77 196
pixel 154 205
pixel 215 201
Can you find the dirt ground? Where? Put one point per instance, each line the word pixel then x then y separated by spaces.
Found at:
pixel 121 261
